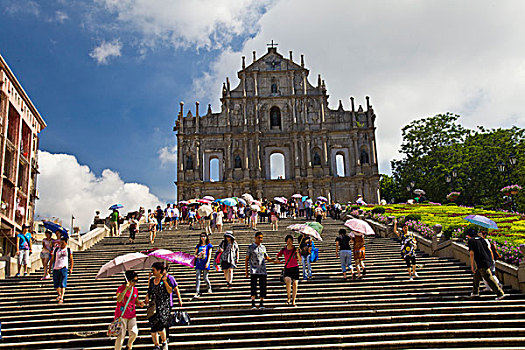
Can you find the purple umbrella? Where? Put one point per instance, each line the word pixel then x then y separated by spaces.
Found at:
pixel 180 258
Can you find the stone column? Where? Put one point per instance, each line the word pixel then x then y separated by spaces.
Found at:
pixel 198 160
pixel 296 158
pixel 308 157
pixel 245 155
pixel 228 170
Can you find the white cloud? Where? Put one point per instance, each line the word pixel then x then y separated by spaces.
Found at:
pixel 167 155
pixel 200 24
pixel 13 7
pixel 61 16
pixel 105 51
pixel 67 188
pixel 414 59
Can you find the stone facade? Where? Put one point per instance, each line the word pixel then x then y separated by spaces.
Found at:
pixel 275 110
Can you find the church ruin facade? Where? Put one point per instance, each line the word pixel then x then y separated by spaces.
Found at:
pixel 276 136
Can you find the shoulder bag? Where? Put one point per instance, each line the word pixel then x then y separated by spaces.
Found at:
pixel 115 327
pixel 281 277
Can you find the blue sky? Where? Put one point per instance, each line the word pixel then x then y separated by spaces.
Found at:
pixel 108 75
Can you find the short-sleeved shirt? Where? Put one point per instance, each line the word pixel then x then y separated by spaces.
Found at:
pixel 292 260
pixel 176 213
pixel 23 241
pixel 344 242
pixel 482 254
pixel 130 311
pixel 257 259
pixel 200 263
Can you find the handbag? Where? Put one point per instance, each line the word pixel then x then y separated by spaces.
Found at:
pixel 281 277
pixel 115 327
pixel 152 309
pixel 180 318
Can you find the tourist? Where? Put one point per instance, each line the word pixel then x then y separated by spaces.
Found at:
pixel 114 226
pixel 24 248
pixel 128 291
pixel 159 215
pixel 481 261
pixel 256 257
pixel 300 208
pixel 253 219
pixel 343 251
pixel 319 214
pixel 274 218
pixel 169 216
pixel 293 209
pixel 62 262
pixel 408 248
pixel 360 200
pixel 308 208
pixel 305 249
pixel 152 227
pixel 219 219
pixel 176 216
pixel 203 254
pixel 160 288
pixel 45 254
pixel 191 217
pixel 277 207
pixel 133 229
pixel 241 213
pixel 495 256
pixel 291 269
pixel 359 254
pixel 229 257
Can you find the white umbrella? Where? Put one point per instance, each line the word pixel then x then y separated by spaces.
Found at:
pixel 280 200
pixel 205 210
pixel 297 196
pixel 210 198
pixel 247 197
pixel 419 191
pixel 255 207
pixel 360 226
pixel 126 262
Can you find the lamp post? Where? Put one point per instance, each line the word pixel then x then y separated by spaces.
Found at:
pixel 505 167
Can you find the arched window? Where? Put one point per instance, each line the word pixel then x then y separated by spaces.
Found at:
pixel 340 165
pixel 364 157
pixel 214 170
pixel 316 159
pixel 277 166
pixel 237 162
pixel 275 118
pixel 189 162
pixel 274 88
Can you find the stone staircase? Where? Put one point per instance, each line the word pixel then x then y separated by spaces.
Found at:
pixel 385 310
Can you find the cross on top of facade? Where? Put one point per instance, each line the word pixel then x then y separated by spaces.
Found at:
pixel 272 44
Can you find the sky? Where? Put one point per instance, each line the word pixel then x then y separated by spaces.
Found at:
pixel 108 75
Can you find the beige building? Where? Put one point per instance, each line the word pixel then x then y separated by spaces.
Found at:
pixel 275 136
pixel 20 124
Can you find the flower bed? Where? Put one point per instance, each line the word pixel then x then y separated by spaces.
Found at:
pixel 507 239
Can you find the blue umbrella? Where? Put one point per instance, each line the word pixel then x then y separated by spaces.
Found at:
pixel 242 201
pixel 116 206
pixel 304 198
pixel 482 221
pixel 53 226
pixel 229 202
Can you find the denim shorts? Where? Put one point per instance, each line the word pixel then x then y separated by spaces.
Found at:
pixel 60 278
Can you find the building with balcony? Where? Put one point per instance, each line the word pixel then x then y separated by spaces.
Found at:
pixel 20 124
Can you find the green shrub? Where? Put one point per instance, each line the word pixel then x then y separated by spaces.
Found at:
pixel 451 204
pixel 449 230
pixel 378 210
pixel 413 217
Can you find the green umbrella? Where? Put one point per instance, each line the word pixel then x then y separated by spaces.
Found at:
pixel 316 226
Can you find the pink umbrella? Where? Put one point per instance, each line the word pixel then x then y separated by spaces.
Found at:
pixel 359 226
pixel 307 230
pixel 280 200
pixel 126 262
pixel 183 202
pixel 209 198
pixel 180 258
pixel 297 196
pixel 323 199
pixel 284 199
pixel 204 201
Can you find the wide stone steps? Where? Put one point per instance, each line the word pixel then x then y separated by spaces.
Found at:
pixel 383 311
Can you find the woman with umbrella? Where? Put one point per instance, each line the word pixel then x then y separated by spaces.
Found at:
pixel 291 269
pixel 229 250
pixel 408 248
pixel 159 292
